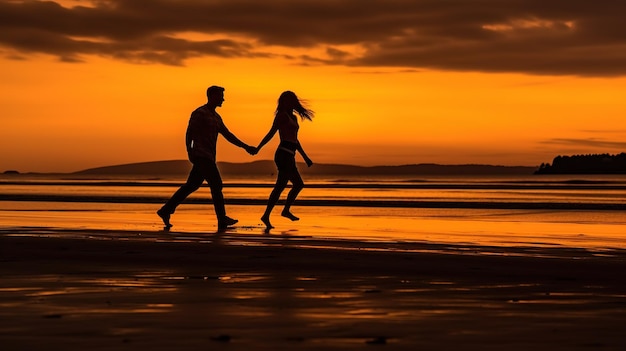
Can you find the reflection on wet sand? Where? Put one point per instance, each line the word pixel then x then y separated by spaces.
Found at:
pixel 76 289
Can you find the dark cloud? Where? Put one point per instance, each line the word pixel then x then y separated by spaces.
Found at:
pixel 590 142
pixel 560 37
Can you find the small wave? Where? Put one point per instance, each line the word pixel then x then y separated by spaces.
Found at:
pixel 518 205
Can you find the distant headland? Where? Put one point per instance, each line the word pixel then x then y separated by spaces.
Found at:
pixel 266 167
pixel 576 164
pixel 586 164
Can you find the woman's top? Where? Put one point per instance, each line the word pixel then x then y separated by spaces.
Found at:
pixel 288 126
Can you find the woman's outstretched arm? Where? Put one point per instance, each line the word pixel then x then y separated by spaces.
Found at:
pixel 304 155
pixel 269 135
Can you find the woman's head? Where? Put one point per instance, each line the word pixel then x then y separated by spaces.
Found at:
pixel 289 102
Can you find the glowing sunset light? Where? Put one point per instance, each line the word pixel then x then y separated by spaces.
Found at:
pixel 94 83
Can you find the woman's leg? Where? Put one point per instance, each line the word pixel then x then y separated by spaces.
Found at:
pixel 297 186
pixel 281 184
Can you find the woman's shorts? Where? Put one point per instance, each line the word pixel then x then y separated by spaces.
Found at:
pixel 285 161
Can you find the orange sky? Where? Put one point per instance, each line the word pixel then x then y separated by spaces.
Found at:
pixel 79 98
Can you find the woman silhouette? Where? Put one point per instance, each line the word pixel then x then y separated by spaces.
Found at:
pixel 286 123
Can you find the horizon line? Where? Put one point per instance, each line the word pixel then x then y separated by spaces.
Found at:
pixel 9 171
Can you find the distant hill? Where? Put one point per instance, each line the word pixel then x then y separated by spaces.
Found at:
pixel 182 167
pixel 586 164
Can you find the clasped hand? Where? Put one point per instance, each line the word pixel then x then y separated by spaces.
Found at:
pixel 251 150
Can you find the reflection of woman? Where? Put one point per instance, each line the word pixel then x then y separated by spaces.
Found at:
pixel 286 123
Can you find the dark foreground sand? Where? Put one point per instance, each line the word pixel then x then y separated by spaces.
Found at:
pixel 228 293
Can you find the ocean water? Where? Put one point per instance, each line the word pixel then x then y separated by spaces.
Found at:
pixel 580 211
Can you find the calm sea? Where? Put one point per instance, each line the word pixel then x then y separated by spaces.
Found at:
pixel 574 211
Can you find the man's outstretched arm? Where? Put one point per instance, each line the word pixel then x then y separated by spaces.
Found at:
pixel 235 141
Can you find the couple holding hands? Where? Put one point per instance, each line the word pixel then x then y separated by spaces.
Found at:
pixel 201 139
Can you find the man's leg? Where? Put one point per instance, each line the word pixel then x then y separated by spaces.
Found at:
pixel 194 181
pixel 212 175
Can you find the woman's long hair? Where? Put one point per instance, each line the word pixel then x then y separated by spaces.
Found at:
pixel 289 102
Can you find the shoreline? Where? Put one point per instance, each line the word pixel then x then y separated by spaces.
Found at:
pixel 366 203
pixel 254 236
pixel 595 231
pixel 247 294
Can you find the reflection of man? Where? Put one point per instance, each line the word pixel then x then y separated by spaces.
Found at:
pixel 201 140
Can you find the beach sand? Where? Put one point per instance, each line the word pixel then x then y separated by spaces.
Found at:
pixel 84 289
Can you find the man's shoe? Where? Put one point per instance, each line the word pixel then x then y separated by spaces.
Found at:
pixel 226 222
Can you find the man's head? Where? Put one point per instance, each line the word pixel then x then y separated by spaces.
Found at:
pixel 215 95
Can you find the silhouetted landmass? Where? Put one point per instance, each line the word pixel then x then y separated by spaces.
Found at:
pixel 585 164
pixel 182 167
pixel 11 172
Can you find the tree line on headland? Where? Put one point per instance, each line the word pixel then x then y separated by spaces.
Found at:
pixel 585 164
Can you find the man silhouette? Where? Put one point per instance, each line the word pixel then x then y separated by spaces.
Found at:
pixel 201 140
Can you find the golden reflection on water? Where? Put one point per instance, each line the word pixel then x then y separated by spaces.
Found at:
pixel 306 278
pixel 65 291
pixel 14 289
pixel 326 295
pixel 242 278
pixel 317 310
pixel 596 230
pixel 250 294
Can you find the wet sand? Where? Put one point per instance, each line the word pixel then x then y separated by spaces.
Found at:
pixel 83 289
